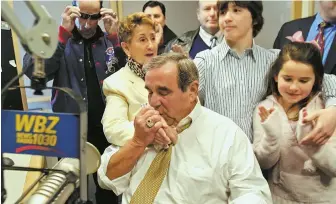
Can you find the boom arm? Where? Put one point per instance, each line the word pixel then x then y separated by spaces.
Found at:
pixel 41 39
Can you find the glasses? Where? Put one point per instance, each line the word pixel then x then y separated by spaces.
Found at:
pixel 95 16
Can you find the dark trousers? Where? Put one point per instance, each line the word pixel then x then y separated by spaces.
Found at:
pixel 97 138
pixel 104 196
pixel 265 173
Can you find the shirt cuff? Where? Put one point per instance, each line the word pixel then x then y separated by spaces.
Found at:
pixel 113 37
pixel 118 185
pixel 63 35
pixel 270 125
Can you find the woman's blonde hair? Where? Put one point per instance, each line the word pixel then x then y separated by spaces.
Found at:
pixel 131 21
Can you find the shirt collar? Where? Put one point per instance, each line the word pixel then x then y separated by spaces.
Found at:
pixel 206 37
pixel 224 49
pixel 193 115
pixel 318 20
pixel 254 50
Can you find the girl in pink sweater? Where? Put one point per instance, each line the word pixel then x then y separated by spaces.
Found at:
pixel 297 173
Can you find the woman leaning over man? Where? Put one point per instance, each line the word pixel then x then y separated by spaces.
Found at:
pixel 125 90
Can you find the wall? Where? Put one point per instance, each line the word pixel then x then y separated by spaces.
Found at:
pixel 275 14
pixel 317 6
pixel 181 15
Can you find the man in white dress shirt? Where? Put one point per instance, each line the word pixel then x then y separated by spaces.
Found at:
pixel 211 159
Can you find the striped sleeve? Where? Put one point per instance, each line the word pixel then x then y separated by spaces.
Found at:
pixel 200 63
pixel 329 89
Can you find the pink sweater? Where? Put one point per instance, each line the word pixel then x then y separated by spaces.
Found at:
pixel 276 148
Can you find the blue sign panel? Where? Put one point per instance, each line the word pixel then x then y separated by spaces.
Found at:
pixel 36 133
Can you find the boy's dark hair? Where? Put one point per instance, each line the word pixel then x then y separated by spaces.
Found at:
pixel 153 4
pixel 254 7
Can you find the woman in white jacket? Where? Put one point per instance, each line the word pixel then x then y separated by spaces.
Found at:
pixel 297 173
pixel 125 90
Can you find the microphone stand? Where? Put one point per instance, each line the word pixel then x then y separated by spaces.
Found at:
pixel 42 42
pixel 3 189
pixel 39 84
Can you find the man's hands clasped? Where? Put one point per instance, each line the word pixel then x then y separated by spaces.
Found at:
pixel 151 128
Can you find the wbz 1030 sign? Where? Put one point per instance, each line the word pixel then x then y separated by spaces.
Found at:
pixel 36 133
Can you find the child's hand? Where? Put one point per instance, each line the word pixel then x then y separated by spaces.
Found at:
pixel 264 113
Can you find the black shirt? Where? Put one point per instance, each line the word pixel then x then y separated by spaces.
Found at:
pixel 96 105
pixel 95 102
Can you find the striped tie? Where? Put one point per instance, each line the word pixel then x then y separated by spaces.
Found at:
pixel 150 184
pixel 213 41
pixel 320 36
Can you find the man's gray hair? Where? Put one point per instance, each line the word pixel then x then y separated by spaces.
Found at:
pixel 186 68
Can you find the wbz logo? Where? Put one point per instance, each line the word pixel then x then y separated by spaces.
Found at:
pixel 36 129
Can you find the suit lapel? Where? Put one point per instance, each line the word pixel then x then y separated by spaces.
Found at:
pixel 305 26
pixel 136 82
pixel 302 25
pixel 331 58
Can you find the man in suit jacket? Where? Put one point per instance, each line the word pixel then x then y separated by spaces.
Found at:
pixel 310 28
pixel 204 37
pixel 157 12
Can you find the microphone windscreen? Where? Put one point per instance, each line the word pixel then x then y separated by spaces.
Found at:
pixel 92 161
pixel 92 158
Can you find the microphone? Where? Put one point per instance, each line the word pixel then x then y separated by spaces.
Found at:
pixel 58 186
pixel 38 80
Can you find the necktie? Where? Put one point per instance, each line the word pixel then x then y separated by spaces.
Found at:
pixel 213 42
pixel 150 184
pixel 320 36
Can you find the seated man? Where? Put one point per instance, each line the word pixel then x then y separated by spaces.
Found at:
pixel 211 152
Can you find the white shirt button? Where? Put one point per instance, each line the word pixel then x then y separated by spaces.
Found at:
pixel 80 60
